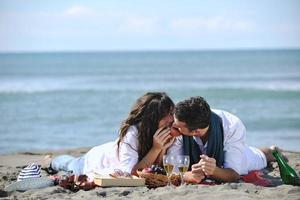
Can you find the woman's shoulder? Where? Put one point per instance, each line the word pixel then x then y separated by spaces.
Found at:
pixel 132 130
pixel 130 139
pixel 131 134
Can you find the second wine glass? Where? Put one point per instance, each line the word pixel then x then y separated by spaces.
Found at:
pixel 182 162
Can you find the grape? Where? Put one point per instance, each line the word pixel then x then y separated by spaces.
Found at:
pixel 153 168
pixel 161 170
pixel 158 170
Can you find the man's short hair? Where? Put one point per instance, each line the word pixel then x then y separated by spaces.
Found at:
pixel 195 112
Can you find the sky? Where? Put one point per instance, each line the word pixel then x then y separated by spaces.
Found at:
pixel 114 25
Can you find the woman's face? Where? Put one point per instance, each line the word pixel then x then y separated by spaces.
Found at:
pixel 167 120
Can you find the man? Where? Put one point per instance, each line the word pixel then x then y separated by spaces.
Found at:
pixel 215 142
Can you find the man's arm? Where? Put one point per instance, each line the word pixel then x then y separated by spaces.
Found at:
pixel 226 174
pixel 208 166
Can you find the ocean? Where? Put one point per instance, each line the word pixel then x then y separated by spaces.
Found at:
pixel 54 101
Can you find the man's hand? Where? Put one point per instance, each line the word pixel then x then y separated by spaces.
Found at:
pixel 191 177
pixel 207 165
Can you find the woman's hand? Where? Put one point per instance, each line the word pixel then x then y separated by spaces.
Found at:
pixel 162 138
pixel 169 143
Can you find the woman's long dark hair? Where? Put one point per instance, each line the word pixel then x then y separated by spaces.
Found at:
pixel 145 114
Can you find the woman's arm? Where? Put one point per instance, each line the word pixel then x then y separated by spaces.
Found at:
pixel 161 140
pixel 159 160
pixel 147 161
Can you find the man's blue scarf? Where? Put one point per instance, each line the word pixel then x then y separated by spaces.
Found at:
pixel 215 147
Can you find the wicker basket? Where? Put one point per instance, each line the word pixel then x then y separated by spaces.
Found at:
pixel 158 180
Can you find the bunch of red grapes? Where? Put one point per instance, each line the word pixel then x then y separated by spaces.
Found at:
pixel 155 169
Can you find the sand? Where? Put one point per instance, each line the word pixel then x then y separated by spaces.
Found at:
pixel 10 166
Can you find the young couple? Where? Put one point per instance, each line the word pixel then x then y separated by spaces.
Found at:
pixel 214 140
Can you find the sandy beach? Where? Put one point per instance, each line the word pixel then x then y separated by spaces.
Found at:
pixel 10 166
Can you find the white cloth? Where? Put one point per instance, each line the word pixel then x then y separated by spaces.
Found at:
pixel 238 156
pixel 103 159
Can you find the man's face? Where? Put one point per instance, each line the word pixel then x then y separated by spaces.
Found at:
pixel 182 127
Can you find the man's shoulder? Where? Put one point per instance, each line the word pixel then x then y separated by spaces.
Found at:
pixel 228 118
pixel 222 113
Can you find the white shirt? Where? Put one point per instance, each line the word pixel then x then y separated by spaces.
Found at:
pixel 238 156
pixel 103 159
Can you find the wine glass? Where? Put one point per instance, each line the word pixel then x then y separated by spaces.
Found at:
pixel 182 162
pixel 168 162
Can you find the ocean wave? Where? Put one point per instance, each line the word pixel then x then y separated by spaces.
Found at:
pixel 43 86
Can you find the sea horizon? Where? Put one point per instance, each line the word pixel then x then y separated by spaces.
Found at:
pixel 151 50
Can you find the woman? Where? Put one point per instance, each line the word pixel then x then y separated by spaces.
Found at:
pixel 143 139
